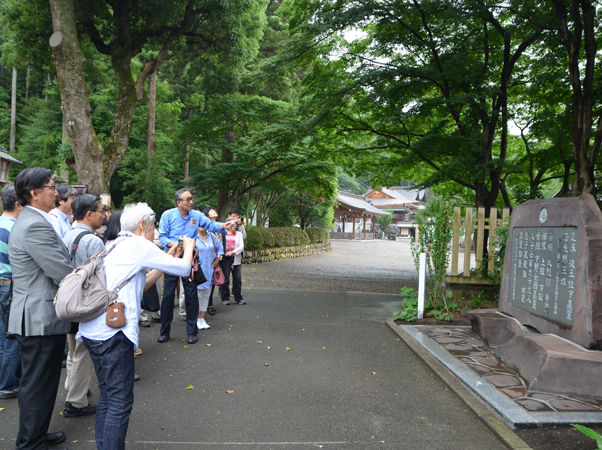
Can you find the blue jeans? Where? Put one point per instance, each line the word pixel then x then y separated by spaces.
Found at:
pixel 114 365
pixel 10 350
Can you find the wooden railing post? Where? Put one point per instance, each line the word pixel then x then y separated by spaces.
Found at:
pixel 492 230
pixel 467 241
pixel 480 236
pixel 455 241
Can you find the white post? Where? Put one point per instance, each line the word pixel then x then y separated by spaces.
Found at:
pixel 421 280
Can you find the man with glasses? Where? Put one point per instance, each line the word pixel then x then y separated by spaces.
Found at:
pixel 176 223
pixel 62 210
pixel 39 261
pixel 82 243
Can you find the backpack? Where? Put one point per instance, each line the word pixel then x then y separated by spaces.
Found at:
pixel 76 244
pixel 83 295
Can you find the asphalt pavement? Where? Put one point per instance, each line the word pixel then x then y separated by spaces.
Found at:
pixel 291 369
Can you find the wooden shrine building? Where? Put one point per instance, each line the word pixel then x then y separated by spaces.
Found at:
pixel 354 217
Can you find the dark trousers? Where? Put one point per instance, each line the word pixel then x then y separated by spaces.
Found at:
pixel 41 358
pixel 211 295
pixel 224 289
pixel 114 365
pixel 192 304
pixel 10 350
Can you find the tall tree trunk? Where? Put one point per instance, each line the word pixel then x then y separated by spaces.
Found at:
pixel 223 195
pixel 75 97
pixel 13 112
pixel 579 39
pixel 94 164
pixel 187 156
pixel 27 82
pixel 152 102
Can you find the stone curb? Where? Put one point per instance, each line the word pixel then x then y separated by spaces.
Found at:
pixel 489 418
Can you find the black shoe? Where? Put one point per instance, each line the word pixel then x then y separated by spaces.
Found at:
pixel 192 339
pixel 144 323
pixel 163 339
pixel 211 311
pixel 72 411
pixel 154 320
pixel 55 438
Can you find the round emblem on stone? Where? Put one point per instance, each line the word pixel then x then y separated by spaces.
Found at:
pixel 543 215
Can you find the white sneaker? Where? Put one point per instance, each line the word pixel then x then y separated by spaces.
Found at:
pixel 202 324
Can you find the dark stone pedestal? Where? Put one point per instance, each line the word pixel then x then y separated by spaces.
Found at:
pixel 546 363
pixel 550 364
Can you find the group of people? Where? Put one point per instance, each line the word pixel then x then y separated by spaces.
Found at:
pixel 39 246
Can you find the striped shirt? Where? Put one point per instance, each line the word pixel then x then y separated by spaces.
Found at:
pixel 6 224
pixel 230 242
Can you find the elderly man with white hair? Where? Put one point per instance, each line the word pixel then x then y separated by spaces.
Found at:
pixel 112 349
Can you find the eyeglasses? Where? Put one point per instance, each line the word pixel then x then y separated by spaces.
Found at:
pixel 187 200
pixel 52 186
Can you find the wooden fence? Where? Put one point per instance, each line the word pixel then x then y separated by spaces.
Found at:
pixel 478 224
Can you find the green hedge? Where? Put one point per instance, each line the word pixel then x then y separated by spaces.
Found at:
pixel 268 238
pixel 318 235
pixel 254 240
pixel 259 237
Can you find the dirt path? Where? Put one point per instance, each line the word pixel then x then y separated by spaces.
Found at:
pixel 352 266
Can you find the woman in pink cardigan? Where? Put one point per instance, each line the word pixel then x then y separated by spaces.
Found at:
pixel 234 245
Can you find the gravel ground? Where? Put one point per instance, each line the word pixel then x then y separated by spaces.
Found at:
pixel 352 266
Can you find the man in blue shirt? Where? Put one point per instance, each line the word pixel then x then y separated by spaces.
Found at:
pixel 10 350
pixel 175 223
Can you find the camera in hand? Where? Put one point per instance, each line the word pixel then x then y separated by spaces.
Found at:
pixel 181 242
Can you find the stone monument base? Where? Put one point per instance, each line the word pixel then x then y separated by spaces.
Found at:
pixel 546 362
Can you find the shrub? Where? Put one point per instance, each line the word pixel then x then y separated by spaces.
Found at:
pixel 269 240
pixel 283 236
pixel 254 239
pixel 318 235
pixel 300 237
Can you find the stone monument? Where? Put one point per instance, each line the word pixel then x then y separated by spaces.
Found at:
pixel 549 322
pixel 553 268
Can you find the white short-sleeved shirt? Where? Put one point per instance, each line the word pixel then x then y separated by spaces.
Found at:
pixel 130 257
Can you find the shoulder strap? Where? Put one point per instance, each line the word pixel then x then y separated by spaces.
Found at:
pixel 115 292
pixel 76 243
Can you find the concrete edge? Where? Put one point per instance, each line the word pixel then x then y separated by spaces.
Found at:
pixel 497 426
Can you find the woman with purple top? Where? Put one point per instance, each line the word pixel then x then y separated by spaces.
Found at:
pixel 211 252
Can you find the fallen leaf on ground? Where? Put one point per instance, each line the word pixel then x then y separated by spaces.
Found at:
pixel 266 364
pixel 269 346
pixel 230 392
pixel 259 342
pixel 323 347
pixel 75 442
pixel 2 409
pixel 185 346
pixel 208 345
pixel 287 349
pixel 373 373
pixel 189 386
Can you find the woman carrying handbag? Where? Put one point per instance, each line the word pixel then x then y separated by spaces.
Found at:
pixel 232 262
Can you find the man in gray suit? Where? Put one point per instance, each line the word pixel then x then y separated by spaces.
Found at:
pixel 39 261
